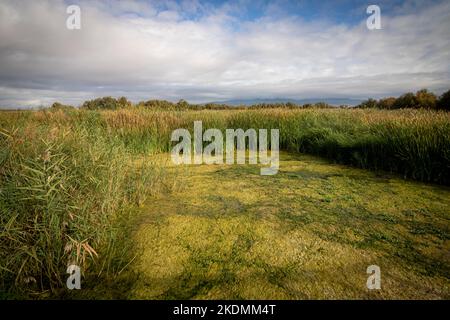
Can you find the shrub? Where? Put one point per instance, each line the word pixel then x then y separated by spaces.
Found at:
pixel 106 103
pixel 60 106
pixel 369 103
pixel 386 103
pixel 426 99
pixel 157 104
pixel 444 101
pixel 182 104
pixel 408 100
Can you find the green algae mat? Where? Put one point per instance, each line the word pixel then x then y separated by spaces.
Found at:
pixel 309 232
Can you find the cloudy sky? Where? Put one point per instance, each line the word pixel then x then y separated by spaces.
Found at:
pixel 212 50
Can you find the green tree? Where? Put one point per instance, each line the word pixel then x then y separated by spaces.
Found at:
pixel 426 99
pixel 386 103
pixel 106 103
pixel 369 103
pixel 60 106
pixel 444 101
pixel 182 104
pixel 408 100
pixel 124 103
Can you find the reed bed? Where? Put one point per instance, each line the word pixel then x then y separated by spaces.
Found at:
pixel 67 189
pixel 414 143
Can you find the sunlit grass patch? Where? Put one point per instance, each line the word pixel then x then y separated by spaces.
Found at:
pixel 308 232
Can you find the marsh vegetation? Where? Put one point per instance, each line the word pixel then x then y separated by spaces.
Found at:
pixel 89 186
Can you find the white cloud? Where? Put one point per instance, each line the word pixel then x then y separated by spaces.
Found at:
pixel 131 48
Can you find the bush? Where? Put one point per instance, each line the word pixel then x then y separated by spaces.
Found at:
pixel 444 101
pixel 387 103
pixel 157 104
pixel 408 100
pixel 369 103
pixel 60 106
pixel 426 99
pixel 182 104
pixel 106 103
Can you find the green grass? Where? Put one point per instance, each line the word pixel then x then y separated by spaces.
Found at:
pixel 309 232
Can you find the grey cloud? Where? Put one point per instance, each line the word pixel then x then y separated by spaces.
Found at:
pixel 165 56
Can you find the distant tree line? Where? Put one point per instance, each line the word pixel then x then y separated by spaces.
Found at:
pixel 184 105
pixel 421 99
pixel 109 103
